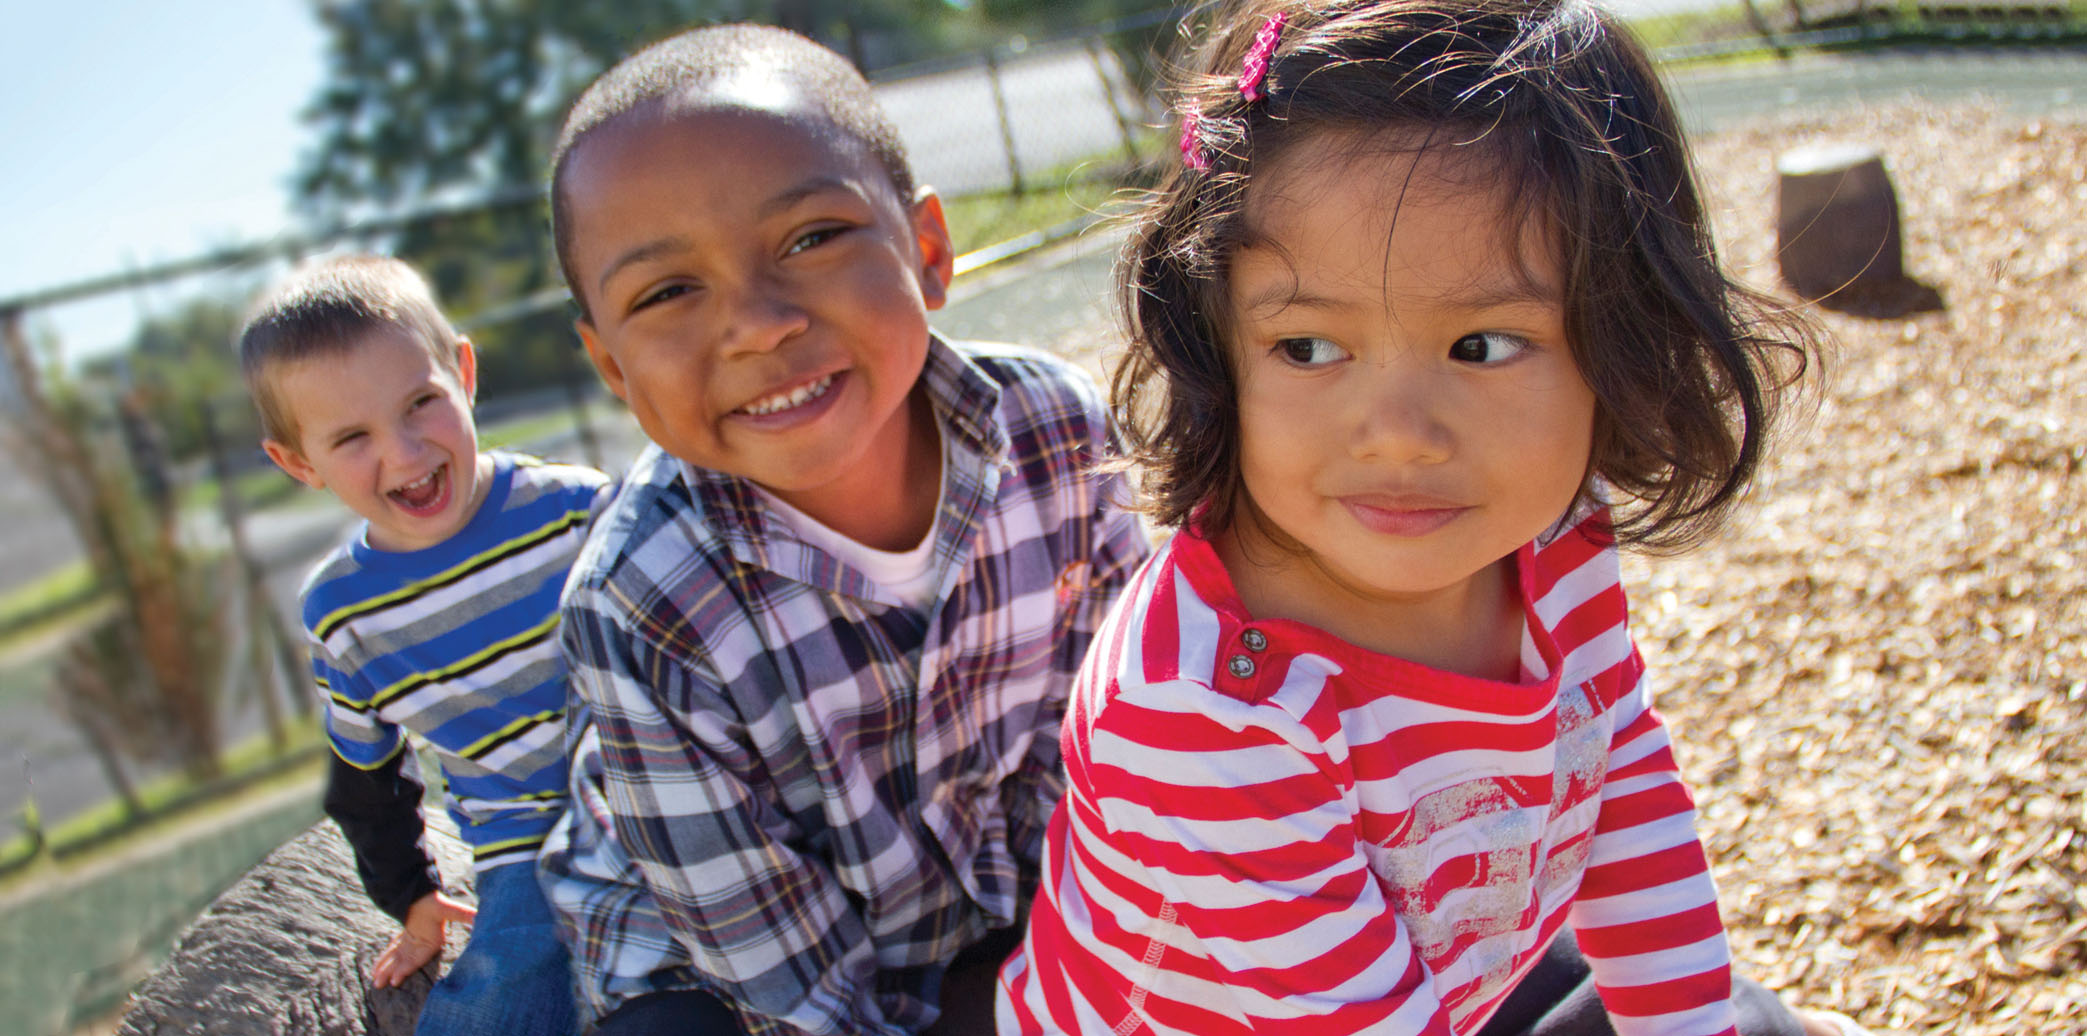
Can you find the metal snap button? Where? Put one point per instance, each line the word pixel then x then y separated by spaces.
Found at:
pixel 1240 666
pixel 1255 640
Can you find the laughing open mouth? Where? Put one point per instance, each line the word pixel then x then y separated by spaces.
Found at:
pixel 782 401
pixel 424 494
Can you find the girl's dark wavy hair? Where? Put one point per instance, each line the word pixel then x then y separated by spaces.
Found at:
pixel 1687 366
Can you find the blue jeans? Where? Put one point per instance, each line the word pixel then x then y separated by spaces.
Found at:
pixel 966 995
pixel 514 977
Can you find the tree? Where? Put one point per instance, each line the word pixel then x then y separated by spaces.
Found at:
pixel 432 101
pixel 183 361
pixel 140 681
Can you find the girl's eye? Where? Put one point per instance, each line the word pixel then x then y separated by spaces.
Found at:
pixel 814 239
pixel 1486 347
pixel 1309 352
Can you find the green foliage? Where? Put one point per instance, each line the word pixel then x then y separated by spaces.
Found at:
pixel 979 220
pixel 64 592
pixel 426 99
pixel 1692 26
pixel 424 96
pixel 181 362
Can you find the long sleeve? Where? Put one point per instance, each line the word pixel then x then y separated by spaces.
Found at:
pixel 1242 819
pixel 378 811
pixel 765 924
pixel 373 791
pixel 1647 915
pixel 1271 829
pixel 796 788
pixel 1118 548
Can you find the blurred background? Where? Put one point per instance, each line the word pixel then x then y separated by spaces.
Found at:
pixel 157 731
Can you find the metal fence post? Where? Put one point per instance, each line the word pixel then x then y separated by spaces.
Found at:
pixel 1007 130
pixel 1108 93
pixel 281 664
pixel 576 375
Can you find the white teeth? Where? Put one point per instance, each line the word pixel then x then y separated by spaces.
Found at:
pixel 785 400
pixel 418 483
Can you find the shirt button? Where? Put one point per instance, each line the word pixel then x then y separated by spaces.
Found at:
pixel 1255 640
pixel 1240 666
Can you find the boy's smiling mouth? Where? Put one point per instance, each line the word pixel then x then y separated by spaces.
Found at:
pixel 790 400
pixel 425 495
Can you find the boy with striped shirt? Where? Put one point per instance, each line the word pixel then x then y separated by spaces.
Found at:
pixel 438 616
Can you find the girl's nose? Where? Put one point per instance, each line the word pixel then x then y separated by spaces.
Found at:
pixel 1399 416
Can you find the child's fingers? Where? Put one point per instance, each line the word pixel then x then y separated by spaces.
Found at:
pixel 401 957
pixel 384 975
pixel 460 913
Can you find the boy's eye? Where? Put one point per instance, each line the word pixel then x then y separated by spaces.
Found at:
pixel 349 439
pixel 814 239
pixel 668 292
pixel 1486 347
pixel 1309 352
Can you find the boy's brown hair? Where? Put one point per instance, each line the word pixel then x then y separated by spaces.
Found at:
pixel 328 307
pixel 1561 107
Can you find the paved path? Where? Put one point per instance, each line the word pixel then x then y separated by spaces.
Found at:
pixel 2025 80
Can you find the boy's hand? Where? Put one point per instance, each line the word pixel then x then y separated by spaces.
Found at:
pixel 420 941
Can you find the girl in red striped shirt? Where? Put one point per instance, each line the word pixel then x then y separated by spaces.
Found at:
pixel 1426 322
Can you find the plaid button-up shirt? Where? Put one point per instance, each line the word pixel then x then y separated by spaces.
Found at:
pixel 789 787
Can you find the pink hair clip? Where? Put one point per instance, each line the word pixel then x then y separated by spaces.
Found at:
pixel 1191 146
pixel 1251 72
pixel 1255 68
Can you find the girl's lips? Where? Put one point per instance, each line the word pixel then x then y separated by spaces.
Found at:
pixel 1405 516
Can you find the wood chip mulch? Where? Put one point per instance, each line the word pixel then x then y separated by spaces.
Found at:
pixel 1878 675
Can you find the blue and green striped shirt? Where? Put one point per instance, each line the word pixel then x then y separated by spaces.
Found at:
pixel 458 644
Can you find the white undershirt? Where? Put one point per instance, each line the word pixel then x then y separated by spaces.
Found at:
pixel 909 574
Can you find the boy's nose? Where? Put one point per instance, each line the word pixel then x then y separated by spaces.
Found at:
pixel 403 447
pixel 765 317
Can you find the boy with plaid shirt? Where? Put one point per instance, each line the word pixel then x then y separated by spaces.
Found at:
pixel 821 643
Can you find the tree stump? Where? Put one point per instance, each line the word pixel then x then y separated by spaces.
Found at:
pixel 288 950
pixel 1837 220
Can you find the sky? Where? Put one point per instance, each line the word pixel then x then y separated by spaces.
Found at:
pixel 142 132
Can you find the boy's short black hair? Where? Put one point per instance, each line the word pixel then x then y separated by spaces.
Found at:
pixel 1560 107
pixel 697 59
pixel 328 307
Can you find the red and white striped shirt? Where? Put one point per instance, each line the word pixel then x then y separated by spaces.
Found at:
pixel 1271 830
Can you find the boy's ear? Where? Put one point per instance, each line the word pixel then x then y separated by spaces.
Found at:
pixel 467 367
pixel 938 259
pixel 293 463
pixel 604 363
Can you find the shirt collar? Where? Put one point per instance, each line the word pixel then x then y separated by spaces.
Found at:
pixel 966 402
